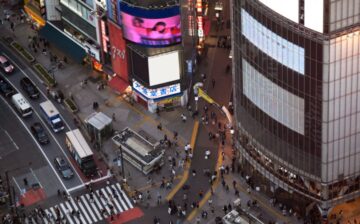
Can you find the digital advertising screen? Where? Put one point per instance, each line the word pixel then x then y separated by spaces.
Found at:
pixel 153 27
pixel 164 68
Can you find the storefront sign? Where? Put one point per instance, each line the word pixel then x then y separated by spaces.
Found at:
pixel 104 38
pixel 199 18
pixel 118 51
pixel 157 93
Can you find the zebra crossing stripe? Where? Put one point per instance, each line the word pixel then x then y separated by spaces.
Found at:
pixel 94 206
pixel 53 213
pixel 70 210
pixel 116 203
pixel 82 220
pixel 66 213
pixel 120 198
pixel 103 202
pixel 48 214
pixel 84 211
pixel 124 196
pixel 88 207
pixel 45 220
pixel 99 205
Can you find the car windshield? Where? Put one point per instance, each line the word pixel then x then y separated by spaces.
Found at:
pixel 6 64
pixel 58 124
pixel 67 172
pixel 41 134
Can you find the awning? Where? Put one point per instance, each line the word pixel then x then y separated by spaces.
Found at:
pixel 34 14
pixel 63 42
pixel 118 84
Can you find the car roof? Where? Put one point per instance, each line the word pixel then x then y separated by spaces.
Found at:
pixel 2 59
pixel 37 125
pixel 26 79
pixel 60 160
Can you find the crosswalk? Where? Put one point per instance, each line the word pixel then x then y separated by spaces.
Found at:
pixel 86 209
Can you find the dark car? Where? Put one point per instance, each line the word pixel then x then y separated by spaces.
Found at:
pixel 39 133
pixel 63 167
pixel 29 88
pixel 6 89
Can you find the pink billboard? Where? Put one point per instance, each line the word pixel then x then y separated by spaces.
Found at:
pixel 152 32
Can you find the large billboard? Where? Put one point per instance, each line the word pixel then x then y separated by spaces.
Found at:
pixel 118 51
pixel 164 68
pixel 151 27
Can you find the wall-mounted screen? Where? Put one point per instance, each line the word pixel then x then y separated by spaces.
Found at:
pixel 152 32
pixel 164 68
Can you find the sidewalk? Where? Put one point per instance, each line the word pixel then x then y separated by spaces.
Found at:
pixel 134 116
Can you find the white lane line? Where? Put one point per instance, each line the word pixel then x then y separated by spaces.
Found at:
pixel 84 211
pixel 66 213
pixel 16 146
pixel 33 220
pixel 77 209
pixel 45 220
pixel 103 202
pixel 37 179
pixel 114 199
pixel 71 211
pixel 36 142
pixel 85 202
pixel 17 184
pixel 93 206
pixel 47 128
pixel 125 196
pixel 120 198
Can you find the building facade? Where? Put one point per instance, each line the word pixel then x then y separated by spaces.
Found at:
pixel 297 95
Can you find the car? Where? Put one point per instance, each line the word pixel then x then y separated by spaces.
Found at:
pixel 38 131
pixel 63 167
pixel 6 89
pixel 5 64
pixel 28 86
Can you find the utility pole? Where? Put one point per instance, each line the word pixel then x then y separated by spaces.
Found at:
pixel 122 162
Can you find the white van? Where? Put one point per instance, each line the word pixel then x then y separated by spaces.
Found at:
pixel 21 105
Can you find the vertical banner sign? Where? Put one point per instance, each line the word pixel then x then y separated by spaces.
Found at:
pixel 118 51
pixel 199 18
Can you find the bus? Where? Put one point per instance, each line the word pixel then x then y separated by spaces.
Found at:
pixel 81 152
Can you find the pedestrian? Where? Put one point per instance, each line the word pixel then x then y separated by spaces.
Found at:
pixel 25 181
pixel 183 118
pixel 213 83
pixel 207 154
pixel 113 117
pixel 194 173
pixel 175 135
pixel 159 126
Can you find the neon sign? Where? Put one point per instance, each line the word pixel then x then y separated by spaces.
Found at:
pixel 158 92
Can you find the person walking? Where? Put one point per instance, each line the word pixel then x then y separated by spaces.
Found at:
pixel 183 118
pixel 213 83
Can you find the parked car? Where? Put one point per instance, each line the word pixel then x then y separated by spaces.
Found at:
pixel 5 64
pixel 63 167
pixel 38 131
pixel 29 87
pixel 6 89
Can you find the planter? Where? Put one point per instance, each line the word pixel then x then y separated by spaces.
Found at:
pixel 24 53
pixel 70 104
pixel 44 75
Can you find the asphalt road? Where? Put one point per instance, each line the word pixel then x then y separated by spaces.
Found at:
pixel 57 140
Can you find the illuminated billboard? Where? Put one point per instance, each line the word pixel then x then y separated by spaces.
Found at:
pixel 151 27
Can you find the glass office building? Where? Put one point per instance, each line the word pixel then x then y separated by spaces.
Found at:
pixel 296 70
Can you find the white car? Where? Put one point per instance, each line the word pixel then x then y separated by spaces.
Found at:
pixel 5 64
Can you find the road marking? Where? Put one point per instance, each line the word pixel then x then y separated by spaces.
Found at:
pixel 11 140
pixel 43 122
pixel 84 212
pixel 187 165
pixel 16 184
pixel 116 203
pixel 88 207
pixel 77 209
pixel 93 206
pixel 37 179
pixel 37 144
pixel 66 213
pixel 89 182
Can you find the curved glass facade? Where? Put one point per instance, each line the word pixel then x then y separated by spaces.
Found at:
pixel 297 102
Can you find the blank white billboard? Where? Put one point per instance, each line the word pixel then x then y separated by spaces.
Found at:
pixel 287 8
pixel 164 68
pixel 314 15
